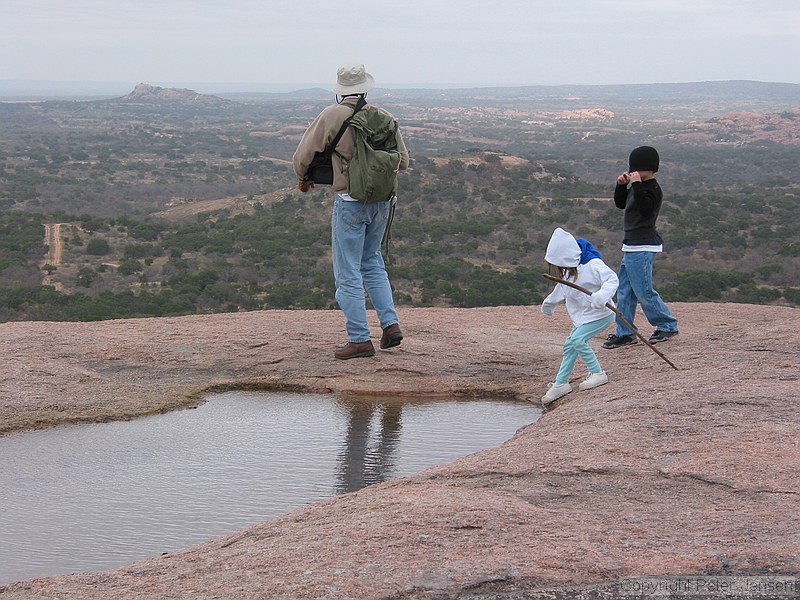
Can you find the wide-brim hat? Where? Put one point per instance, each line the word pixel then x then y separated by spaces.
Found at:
pixel 353 79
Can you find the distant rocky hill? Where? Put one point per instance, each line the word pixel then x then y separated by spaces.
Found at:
pixel 153 94
pixel 738 127
pixel 698 99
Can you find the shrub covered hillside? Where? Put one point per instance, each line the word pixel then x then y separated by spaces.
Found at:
pixel 167 211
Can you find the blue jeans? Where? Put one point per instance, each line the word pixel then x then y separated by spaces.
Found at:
pixel 577 344
pixel 357 229
pixel 636 286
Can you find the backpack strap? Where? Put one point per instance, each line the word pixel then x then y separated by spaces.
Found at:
pixel 387 233
pixel 362 102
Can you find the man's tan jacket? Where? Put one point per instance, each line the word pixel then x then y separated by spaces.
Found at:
pixel 322 131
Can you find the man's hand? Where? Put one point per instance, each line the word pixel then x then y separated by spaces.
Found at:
pixel 304 185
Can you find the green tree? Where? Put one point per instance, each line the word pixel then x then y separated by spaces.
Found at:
pixel 86 276
pixel 98 247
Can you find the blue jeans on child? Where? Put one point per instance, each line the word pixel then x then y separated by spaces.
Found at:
pixel 577 344
pixel 356 230
pixel 636 286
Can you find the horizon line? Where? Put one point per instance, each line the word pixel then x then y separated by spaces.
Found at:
pixel 45 87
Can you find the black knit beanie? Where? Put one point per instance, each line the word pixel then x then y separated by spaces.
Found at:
pixel 643 158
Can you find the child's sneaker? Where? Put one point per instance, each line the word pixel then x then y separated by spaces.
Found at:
pixel 661 336
pixel 556 391
pixel 617 341
pixel 594 380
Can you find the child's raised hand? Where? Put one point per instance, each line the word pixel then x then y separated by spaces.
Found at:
pixel 634 176
pixel 596 301
pixel 624 178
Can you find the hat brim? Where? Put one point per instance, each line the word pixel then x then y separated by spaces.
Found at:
pixel 361 88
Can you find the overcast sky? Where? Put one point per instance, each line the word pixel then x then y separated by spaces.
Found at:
pixel 289 44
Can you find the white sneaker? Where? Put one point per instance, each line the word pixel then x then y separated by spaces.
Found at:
pixel 556 391
pixel 594 380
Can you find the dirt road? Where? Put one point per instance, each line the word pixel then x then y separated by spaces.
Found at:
pixel 53 239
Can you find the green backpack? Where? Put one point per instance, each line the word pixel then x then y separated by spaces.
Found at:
pixel 372 172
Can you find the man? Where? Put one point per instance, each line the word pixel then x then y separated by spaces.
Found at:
pixel 356 227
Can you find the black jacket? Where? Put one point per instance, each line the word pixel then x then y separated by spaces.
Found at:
pixel 641 204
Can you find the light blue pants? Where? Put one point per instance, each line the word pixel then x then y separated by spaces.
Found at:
pixel 577 344
pixel 356 231
pixel 636 286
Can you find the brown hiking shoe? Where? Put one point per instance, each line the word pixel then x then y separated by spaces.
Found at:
pixel 355 350
pixel 392 336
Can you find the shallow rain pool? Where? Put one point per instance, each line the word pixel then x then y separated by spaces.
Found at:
pixel 98 496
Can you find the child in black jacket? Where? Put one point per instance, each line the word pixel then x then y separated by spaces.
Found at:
pixel 637 192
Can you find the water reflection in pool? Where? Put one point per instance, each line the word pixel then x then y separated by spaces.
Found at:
pixel 94 497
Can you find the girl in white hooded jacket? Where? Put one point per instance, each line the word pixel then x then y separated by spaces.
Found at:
pixel 579 261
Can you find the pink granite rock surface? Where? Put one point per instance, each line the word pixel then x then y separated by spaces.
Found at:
pixel 695 471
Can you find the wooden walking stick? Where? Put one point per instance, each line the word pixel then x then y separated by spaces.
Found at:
pixel 619 314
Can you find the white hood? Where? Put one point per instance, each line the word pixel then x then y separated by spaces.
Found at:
pixel 563 250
